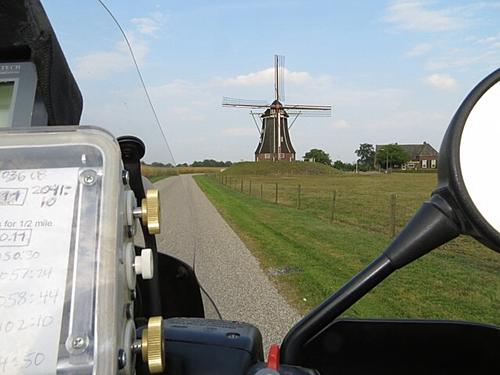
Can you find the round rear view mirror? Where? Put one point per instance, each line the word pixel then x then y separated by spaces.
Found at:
pixel 468 173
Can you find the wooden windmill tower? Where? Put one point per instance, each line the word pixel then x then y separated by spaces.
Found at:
pixel 275 143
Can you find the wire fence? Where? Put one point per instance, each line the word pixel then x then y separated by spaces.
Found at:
pixel 385 213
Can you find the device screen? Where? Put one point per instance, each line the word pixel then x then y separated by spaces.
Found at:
pixel 6 91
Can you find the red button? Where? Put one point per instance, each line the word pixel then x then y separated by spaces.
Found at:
pixel 273 357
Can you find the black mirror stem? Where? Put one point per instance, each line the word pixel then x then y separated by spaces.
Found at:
pixel 432 226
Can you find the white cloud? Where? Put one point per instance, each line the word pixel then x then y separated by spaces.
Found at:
pixel 241 132
pixel 149 25
pixel 492 42
pixel 175 88
pixel 117 58
pixel 441 81
pixel 419 50
pixel 415 15
pixel 340 124
pixel 100 64
pixel 266 76
pixel 462 59
pixel 402 121
pixel 369 98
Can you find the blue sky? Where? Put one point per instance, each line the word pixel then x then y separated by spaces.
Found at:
pixel 394 71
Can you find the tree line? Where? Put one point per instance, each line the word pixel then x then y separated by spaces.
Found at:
pixel 204 163
pixel 386 156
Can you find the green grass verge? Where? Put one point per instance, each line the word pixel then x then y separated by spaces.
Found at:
pixel 264 168
pixel 459 281
pixel 155 174
pixel 374 201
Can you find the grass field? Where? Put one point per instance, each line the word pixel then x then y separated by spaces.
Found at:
pixel 158 173
pixel 267 168
pixel 379 202
pixel 308 257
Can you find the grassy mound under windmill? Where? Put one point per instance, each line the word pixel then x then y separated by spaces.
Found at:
pixel 268 168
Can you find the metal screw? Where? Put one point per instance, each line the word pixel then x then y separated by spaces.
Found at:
pixel 122 359
pixel 125 177
pixel 88 177
pixel 89 180
pixel 78 343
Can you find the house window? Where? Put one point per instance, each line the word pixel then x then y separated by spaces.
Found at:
pixel 424 163
pixel 433 163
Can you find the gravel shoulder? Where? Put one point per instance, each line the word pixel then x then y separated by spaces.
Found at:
pixel 194 231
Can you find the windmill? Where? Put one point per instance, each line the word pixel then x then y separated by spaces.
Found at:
pixel 275 143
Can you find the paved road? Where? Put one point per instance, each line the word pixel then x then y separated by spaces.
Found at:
pixel 192 229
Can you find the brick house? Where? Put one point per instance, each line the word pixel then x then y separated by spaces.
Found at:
pixel 422 156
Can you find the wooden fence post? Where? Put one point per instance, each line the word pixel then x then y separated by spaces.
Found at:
pixel 241 186
pixel 250 188
pixel 334 202
pixel 299 197
pixel 393 213
pixel 261 195
pixel 276 198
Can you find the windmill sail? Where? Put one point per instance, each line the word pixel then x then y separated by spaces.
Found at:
pixel 275 143
pixel 279 81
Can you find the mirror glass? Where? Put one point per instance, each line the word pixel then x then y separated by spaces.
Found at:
pixel 479 147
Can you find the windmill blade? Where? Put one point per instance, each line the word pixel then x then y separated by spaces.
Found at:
pixel 296 113
pixel 308 107
pixel 276 82
pixel 309 113
pixel 257 113
pixel 243 103
pixel 279 77
pixel 293 121
pixel 255 121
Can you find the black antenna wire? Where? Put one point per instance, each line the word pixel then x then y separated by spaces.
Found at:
pixel 158 123
pixel 157 120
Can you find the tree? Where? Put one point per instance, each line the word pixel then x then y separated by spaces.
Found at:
pixel 211 163
pixel 319 156
pixel 366 154
pixel 391 155
pixel 341 166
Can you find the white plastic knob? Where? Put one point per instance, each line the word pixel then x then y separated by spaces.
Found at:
pixel 129 253
pixel 130 205
pixel 143 264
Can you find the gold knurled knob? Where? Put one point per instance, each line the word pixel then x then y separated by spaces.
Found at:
pixel 153 346
pixel 151 211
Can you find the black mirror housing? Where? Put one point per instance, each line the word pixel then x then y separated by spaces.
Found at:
pixel 451 185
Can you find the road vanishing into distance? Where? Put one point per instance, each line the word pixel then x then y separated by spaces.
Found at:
pixel 193 231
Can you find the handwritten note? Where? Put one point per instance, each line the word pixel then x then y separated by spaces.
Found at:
pixel 36 219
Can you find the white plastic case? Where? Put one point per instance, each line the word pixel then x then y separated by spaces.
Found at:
pixel 64 300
